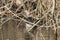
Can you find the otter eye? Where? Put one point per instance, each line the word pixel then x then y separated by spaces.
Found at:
pixel 14 7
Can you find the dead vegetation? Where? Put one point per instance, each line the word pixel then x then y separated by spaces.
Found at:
pixel 33 19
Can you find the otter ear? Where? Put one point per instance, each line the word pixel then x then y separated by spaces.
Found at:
pixel 18 2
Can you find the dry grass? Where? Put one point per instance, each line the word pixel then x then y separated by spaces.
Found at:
pixel 40 13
